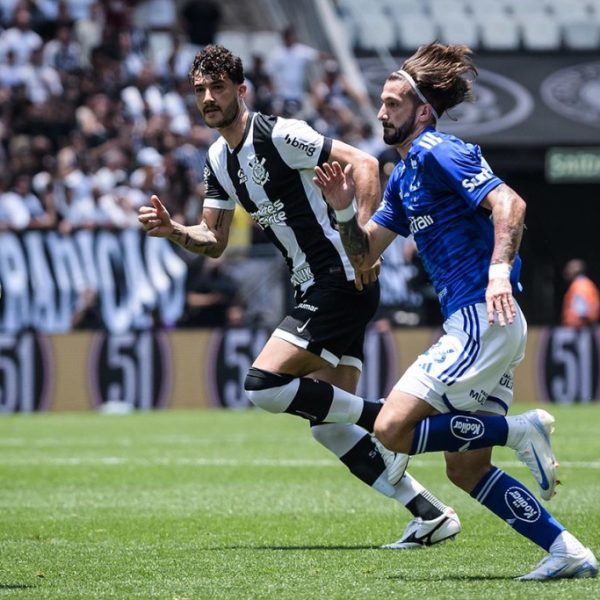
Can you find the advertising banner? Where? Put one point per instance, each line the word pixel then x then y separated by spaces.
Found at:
pixel 133 280
pixel 206 368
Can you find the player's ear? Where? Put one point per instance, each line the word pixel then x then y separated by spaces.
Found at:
pixel 242 89
pixel 425 113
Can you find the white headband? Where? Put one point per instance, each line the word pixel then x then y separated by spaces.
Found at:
pixel 417 91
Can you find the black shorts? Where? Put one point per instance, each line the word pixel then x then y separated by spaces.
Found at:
pixel 330 321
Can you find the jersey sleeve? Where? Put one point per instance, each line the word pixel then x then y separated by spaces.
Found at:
pixel 462 168
pixel 299 145
pixel 390 213
pixel 215 195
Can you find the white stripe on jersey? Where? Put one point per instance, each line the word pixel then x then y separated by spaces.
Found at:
pixel 429 140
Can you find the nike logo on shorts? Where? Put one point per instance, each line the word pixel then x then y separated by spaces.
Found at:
pixel 303 327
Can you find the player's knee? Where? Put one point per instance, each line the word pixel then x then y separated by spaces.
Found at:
pixel 390 433
pixel 268 390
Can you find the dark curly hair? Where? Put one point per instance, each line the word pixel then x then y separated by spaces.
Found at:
pixel 217 61
pixel 439 71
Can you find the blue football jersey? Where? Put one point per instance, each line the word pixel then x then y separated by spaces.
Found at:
pixel 435 195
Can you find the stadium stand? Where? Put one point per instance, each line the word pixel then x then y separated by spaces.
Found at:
pixel 534 25
pixel 116 87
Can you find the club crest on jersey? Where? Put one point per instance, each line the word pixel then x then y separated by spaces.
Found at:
pixel 522 504
pixel 260 175
pixel 466 428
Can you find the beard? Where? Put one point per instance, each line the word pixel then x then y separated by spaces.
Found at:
pixel 228 116
pixel 395 136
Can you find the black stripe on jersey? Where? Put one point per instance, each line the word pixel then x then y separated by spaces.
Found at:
pixel 233 166
pixel 285 184
pixel 325 151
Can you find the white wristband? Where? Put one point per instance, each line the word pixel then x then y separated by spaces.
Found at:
pixel 499 271
pixel 345 214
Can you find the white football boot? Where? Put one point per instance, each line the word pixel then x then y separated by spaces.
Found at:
pixel 420 533
pixel 558 566
pixel 535 451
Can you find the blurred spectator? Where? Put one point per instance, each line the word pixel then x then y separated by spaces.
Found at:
pixel 63 52
pixel 89 31
pixel 41 80
pixel 288 68
pixel 20 38
pixel 200 20
pixel 581 303
pixel 261 82
pixel 211 296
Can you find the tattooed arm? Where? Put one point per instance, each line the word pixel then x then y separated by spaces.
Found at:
pixel 508 213
pixel 364 245
pixel 209 237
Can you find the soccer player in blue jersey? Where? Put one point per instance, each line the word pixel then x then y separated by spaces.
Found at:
pixel 467 224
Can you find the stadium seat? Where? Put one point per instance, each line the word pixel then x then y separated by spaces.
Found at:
pixel 459 30
pixel 483 10
pixel 581 35
pixel 444 9
pixel 400 8
pixel 569 10
pixel 499 34
pixel 416 30
pixel 540 32
pixel 376 31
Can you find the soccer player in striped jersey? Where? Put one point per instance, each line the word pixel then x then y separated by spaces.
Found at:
pixel 467 225
pixel 311 364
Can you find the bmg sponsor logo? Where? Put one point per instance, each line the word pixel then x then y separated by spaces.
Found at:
pixel 294 142
pixel 466 428
pixel 522 504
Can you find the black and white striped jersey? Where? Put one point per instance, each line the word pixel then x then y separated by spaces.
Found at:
pixel 270 174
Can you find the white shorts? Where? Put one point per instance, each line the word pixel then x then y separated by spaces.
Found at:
pixel 470 368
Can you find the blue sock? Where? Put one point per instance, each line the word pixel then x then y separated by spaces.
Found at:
pixel 516 505
pixel 458 432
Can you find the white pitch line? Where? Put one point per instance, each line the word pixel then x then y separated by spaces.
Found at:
pixel 229 462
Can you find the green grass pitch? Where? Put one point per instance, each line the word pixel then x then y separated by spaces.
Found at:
pixel 221 504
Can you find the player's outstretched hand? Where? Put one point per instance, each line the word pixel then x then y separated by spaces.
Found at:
pixel 337 185
pixel 155 219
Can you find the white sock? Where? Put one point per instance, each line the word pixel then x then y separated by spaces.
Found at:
pixel 566 544
pixel 517 427
pixel 407 489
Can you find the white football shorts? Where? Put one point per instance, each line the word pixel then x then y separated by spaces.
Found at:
pixel 470 368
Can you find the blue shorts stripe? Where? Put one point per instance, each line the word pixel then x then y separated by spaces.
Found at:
pixel 475 353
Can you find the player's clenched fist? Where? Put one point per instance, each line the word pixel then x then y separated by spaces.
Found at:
pixel 155 219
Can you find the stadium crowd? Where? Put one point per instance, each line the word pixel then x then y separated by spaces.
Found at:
pixel 96 113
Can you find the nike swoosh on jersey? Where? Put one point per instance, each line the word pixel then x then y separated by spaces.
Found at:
pixel 544 484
